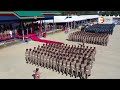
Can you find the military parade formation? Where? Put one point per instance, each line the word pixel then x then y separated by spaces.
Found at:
pixel 72 60
pixel 66 59
pixel 97 34
pixel 100 28
pixel 90 38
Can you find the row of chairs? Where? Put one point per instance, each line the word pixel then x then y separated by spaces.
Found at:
pixel 76 61
pixel 90 38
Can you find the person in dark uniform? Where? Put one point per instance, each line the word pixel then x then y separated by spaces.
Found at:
pixel 26 55
pixel 30 55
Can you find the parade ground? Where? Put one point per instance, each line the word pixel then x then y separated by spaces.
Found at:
pixel 106 65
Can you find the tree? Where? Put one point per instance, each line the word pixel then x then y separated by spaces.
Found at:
pixel 79 12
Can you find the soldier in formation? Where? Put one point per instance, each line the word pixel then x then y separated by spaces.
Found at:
pixel 70 60
pixel 90 38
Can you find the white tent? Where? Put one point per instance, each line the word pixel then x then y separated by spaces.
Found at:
pixel 60 19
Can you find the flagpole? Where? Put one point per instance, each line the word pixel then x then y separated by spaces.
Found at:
pixel 27 30
pixel 68 22
pixel 53 24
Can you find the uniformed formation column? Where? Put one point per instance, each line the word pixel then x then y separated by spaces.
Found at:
pixel 66 60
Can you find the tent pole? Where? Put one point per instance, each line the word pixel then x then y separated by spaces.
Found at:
pixel 27 31
pixel 32 27
pixel 68 24
pixel 26 28
pixel 23 32
pixel 40 27
pixel 74 24
pixel 53 24
pixel 44 26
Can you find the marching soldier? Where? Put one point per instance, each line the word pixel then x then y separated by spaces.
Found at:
pixel 26 55
pixel 42 59
pixel 60 64
pixel 72 67
pixel 63 66
pixel 32 57
pixel 39 59
pixel 94 51
pixel 47 61
pixel 107 39
pixel 103 40
pixel 90 61
pixel 29 55
pixel 85 60
pixel 87 70
pixel 77 69
pixel 92 39
pixel 54 63
pixel 80 58
pixel 36 58
pixel 35 49
pixel 68 67
pixel 50 61
pixel 82 70
pixel 57 63
pixel 38 47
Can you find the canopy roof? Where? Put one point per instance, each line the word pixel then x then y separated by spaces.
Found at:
pixel 29 14
pixel 60 19
pixel 50 12
pixel 24 15
pixel 8 16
